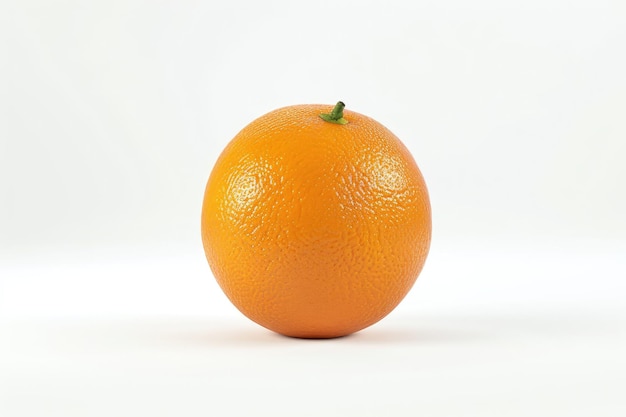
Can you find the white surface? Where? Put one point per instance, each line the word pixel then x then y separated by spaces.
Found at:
pixel 113 112
pixel 486 331
pixel 449 365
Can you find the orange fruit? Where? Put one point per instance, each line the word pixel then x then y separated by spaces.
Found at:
pixel 316 223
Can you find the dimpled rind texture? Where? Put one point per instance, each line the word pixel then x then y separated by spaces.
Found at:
pixel 314 229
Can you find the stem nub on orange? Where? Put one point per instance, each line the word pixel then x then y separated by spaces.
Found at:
pixel 316 221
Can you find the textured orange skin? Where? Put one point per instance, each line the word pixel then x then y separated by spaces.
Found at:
pixel 314 229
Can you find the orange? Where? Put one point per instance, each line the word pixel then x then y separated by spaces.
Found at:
pixel 316 222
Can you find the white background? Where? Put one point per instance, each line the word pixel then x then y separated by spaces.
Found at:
pixel 113 113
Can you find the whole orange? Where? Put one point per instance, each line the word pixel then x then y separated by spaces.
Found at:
pixel 316 222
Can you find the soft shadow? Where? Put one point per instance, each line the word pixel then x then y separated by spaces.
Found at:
pixel 416 336
pixel 225 334
pixel 452 329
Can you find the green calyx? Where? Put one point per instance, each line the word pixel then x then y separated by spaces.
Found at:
pixel 336 115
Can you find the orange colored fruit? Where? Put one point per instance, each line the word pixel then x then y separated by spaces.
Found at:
pixel 314 228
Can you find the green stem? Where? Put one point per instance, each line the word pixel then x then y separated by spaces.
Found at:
pixel 336 115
